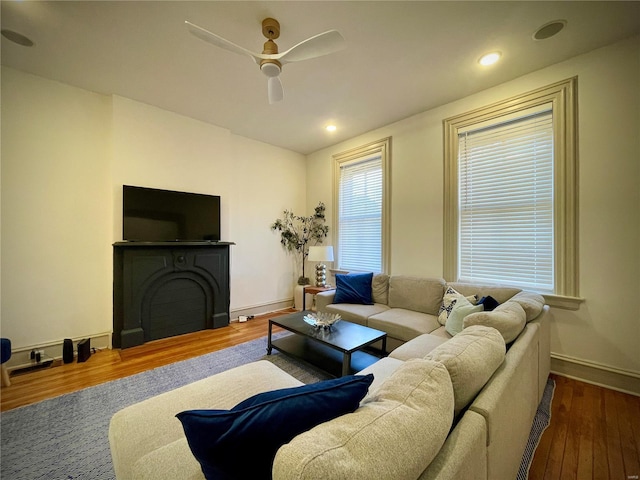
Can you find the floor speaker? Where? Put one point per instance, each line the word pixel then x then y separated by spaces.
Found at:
pixel 67 351
pixel 84 350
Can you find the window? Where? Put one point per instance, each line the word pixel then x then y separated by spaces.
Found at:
pixel 361 208
pixel 510 194
pixel 505 203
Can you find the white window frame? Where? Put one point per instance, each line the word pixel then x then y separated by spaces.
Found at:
pixel 381 148
pixel 563 98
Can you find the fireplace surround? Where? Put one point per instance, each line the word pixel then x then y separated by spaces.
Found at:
pixel 163 289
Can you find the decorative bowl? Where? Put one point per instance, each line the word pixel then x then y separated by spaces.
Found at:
pixel 322 319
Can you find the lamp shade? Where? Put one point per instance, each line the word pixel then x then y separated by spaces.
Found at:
pixel 320 254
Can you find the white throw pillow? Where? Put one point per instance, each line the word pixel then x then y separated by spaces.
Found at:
pixel 450 299
pixel 460 310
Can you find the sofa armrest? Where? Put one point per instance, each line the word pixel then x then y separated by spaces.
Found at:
pixel 323 299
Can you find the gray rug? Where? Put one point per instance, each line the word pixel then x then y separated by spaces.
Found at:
pixel 65 438
pixel 540 423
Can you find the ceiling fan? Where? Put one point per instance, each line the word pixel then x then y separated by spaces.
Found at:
pixel 270 60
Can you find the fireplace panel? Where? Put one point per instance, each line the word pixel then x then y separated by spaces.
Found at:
pixel 162 290
pixel 178 306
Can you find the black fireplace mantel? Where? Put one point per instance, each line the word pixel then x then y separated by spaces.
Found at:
pixel 162 289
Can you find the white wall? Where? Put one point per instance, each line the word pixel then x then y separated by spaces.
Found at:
pixel 605 332
pixel 67 152
pixel 56 211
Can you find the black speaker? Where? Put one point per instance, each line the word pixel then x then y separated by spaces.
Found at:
pixel 67 351
pixel 84 350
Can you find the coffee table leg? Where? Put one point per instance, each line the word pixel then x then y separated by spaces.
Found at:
pixel 269 347
pixel 346 364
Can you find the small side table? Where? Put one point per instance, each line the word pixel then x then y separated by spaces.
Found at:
pixel 312 290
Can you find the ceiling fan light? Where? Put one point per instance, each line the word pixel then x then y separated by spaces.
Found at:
pixel 489 58
pixel 270 69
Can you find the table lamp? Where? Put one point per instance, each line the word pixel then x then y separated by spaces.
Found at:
pixel 321 254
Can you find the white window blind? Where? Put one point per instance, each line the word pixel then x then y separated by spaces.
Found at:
pixel 360 215
pixel 505 186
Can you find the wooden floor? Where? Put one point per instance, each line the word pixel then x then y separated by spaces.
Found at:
pixel 594 432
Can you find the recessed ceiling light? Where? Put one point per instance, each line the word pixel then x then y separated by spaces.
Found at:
pixel 331 128
pixel 16 37
pixel 489 58
pixel 549 29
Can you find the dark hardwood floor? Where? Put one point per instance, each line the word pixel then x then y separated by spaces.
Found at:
pixel 594 432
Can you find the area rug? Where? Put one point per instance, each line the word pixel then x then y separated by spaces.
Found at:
pixel 66 438
pixel 540 423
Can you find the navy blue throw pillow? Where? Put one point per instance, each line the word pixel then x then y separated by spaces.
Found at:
pixel 242 442
pixel 488 302
pixel 353 288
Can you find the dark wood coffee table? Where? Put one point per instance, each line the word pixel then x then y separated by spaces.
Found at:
pixel 338 351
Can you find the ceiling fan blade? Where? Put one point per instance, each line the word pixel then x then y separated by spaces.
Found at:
pixel 316 46
pixel 276 92
pixel 218 41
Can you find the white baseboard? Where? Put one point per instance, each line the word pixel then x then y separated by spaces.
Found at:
pixel 626 381
pixel 261 309
pixel 21 357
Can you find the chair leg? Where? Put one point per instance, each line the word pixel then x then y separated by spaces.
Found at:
pixel 5 377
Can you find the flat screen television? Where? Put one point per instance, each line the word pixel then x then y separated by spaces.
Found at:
pixel 152 215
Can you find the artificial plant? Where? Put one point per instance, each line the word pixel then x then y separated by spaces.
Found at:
pixel 298 233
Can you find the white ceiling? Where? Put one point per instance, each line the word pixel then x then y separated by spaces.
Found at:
pixel 402 58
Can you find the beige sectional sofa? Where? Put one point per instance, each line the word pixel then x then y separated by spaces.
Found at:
pixel 438 408
pixel 405 307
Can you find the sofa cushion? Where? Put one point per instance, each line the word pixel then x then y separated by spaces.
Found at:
pixel 403 324
pixel 531 303
pixel 417 347
pixel 353 312
pixel 470 357
pixel 509 319
pixel 395 434
pixel 141 428
pixel 353 288
pixel 380 288
pixel 264 422
pixel 457 315
pixel 169 461
pixel 416 293
pixel 381 370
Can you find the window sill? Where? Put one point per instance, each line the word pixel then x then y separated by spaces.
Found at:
pixel 562 301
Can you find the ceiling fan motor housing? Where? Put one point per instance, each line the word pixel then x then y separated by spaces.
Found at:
pixel 271 30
